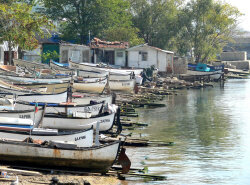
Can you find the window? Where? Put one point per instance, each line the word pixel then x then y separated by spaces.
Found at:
pixel 144 56
pixel 119 54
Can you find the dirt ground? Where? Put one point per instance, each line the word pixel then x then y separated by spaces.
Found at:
pixel 63 180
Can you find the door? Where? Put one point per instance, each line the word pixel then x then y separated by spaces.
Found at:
pixel 109 57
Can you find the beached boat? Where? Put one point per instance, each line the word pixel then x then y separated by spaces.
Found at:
pixel 16 124
pixel 95 86
pixel 66 122
pixel 122 85
pixel 61 68
pixel 30 64
pixel 47 80
pixel 92 159
pixel 103 67
pixel 44 98
pixel 94 108
pixel 81 138
pixel 85 99
pixel 45 87
pixel 17 117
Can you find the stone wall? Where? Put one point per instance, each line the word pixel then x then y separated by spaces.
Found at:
pixel 180 65
pixel 233 56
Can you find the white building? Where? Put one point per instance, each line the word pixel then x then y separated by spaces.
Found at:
pixel 77 53
pixel 144 56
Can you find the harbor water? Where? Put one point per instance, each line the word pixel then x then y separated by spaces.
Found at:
pixel 211 131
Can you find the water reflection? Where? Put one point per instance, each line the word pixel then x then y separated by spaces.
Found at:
pixel 211 130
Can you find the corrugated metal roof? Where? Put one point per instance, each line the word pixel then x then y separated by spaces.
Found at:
pixel 98 43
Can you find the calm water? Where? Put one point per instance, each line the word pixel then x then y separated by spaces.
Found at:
pixel 211 131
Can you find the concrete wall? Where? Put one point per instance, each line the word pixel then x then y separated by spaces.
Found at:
pixel 233 56
pixel 239 64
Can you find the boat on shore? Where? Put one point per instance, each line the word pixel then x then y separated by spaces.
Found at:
pixel 91 159
pixel 81 138
pixel 76 122
pixel 94 108
pixel 85 99
pixel 94 86
pixel 44 98
pixel 122 85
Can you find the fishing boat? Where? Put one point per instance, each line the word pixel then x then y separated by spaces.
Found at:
pixel 81 138
pixel 92 159
pixel 75 122
pixel 28 114
pixel 44 98
pixel 94 108
pixel 61 68
pixel 122 85
pixel 114 73
pixel 16 124
pixel 94 86
pixel 20 124
pixel 30 64
pixel 214 72
pixel 80 98
pixel 36 80
pixel 45 87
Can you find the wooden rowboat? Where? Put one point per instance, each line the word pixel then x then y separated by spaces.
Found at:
pixel 92 159
pixel 66 122
pixel 94 109
pixel 90 86
pixel 122 85
pixel 44 98
pixel 81 138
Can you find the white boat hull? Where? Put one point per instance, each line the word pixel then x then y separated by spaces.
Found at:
pixel 127 86
pixel 94 109
pixel 90 87
pixel 67 123
pixel 80 138
pixel 85 99
pixel 21 79
pixel 94 159
pixel 45 98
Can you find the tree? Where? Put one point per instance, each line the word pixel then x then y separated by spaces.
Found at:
pixel 205 27
pixel 128 34
pixel 156 20
pixel 20 26
pixel 79 17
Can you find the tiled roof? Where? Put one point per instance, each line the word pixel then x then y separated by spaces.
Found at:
pixel 97 43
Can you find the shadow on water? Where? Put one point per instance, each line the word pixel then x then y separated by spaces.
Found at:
pixel 209 129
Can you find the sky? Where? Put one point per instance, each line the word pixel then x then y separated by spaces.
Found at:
pixel 244 7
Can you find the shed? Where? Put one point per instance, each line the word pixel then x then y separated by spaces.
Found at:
pixel 144 56
pixel 77 53
pixel 113 53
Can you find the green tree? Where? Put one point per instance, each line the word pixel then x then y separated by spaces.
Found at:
pixel 128 34
pixel 20 26
pixel 205 27
pixel 156 20
pixel 79 17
